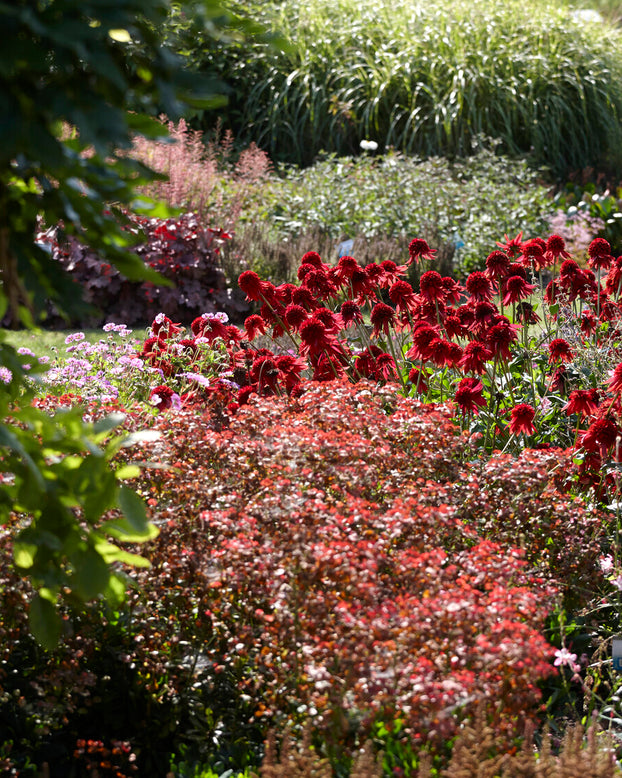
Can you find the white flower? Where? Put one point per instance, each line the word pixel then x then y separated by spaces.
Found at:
pixel 606 563
pixel 369 145
pixel 564 657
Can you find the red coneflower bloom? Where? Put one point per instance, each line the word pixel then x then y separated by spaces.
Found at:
pixel 521 419
pixel 560 351
pixel 244 394
pixel 431 311
pixel 552 292
pixel 532 255
pixel 319 283
pixel 615 382
pixel 346 266
pixel 163 327
pixel 454 327
pixel 314 259
pixel 391 272
pixel 362 285
pixel 375 364
pixel 382 317
pixel 589 323
pixel 422 336
pixel 556 248
pixel 454 354
pixel 474 358
pixel 290 368
pixel 254 325
pixel 483 314
pixel 315 338
pixel 600 436
pixel 613 282
pixel 264 373
pixel 525 313
pixel 479 287
pixel 599 254
pixel 295 315
pixel 500 337
pixel 376 275
pixel 304 297
pixel 328 319
pixel 419 249
pixel 497 265
pixel 418 378
pixel 440 352
pixel 453 290
pixel 512 246
pixel 583 402
pixel 568 268
pixel 516 289
pixel 469 395
pixel 559 380
pixel 350 313
pixel 252 286
pixel 431 286
pixel 402 296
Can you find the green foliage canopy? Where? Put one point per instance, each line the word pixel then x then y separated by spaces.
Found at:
pixel 78 79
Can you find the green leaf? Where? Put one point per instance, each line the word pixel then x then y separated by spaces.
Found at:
pixel 109 422
pixel 91 574
pixel 133 509
pixel 121 529
pixel 127 471
pixel 24 554
pixel 45 623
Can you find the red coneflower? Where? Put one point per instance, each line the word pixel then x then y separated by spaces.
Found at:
pixel 431 286
pixel 319 283
pixel 600 436
pixel 418 378
pixel 599 254
pixel 615 382
pixel 525 313
pixel 454 327
pixel 556 248
pixel 521 419
pixel 568 268
pixel 560 351
pixel 497 265
pixel 252 286
pixel 613 282
pixel 532 254
pixel 559 380
pixel 363 285
pixel 328 319
pixel 479 287
pixel 589 323
pixel 419 249
pixel 516 289
pixel 402 296
pixel 290 368
pixel 453 290
pixel 583 402
pixel 346 266
pixel 440 352
pixel 304 297
pixel 422 336
pixel 500 337
pixel 469 395
pixel 314 259
pixel 264 373
pixel 350 313
pixel 295 315
pixel 391 272
pixel 254 325
pixel 382 317
pixel 512 246
pixel 483 314
pixel 474 358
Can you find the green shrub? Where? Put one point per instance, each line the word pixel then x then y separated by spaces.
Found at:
pixel 381 202
pixel 427 79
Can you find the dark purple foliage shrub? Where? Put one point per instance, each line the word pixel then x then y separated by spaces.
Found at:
pixel 178 248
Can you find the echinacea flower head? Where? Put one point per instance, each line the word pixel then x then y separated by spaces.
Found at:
pixel 418 378
pixel 516 289
pixel 382 318
pixel 469 395
pixel 599 247
pixel 295 315
pixel 560 351
pixel 521 419
pixel 431 286
pixel 556 247
pixel 479 287
pixel 350 313
pixel 254 325
pixel 615 382
pixel 497 265
pixel 474 358
pixel 312 258
pixel 600 436
pixel 500 337
pixel 512 246
pixel 583 402
pixel 418 249
pixel 252 286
